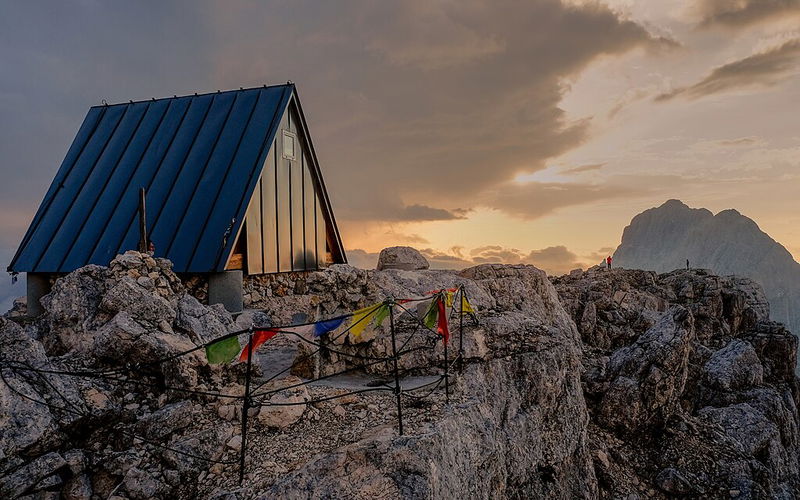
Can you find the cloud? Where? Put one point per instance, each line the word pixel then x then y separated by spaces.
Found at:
pixel 416 108
pixel 742 141
pixel 553 260
pixel 742 13
pixel 425 213
pixel 426 100
pixel 583 168
pixel 765 68
pixel 362 259
pixel 536 199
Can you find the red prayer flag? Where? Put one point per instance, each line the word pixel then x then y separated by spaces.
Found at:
pixel 442 327
pixel 259 337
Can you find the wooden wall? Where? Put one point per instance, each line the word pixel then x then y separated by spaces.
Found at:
pixel 285 226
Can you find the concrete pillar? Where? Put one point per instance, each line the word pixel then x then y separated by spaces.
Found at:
pixel 38 285
pixel 226 288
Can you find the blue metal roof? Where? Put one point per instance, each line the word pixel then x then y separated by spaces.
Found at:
pixel 198 157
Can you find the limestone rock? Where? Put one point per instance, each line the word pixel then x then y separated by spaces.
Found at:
pixel 19 308
pixel 662 238
pixel 166 420
pixel 648 377
pixel 649 381
pixel 746 425
pixel 72 309
pixel 143 485
pixel 776 348
pixel 404 258
pixel 285 407
pixel 27 476
pixel 139 302
pixel 202 323
pixel 733 367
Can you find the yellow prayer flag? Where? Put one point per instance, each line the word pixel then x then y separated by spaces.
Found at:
pixel 466 307
pixel 449 298
pixel 361 318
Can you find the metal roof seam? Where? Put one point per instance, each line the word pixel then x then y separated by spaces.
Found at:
pixel 133 174
pixel 152 177
pixel 77 193
pixel 47 201
pixel 279 110
pixel 105 184
pixel 195 94
pixel 225 177
pixel 182 218
pixel 183 164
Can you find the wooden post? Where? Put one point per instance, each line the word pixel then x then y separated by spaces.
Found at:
pixel 396 371
pixel 143 243
pixel 246 404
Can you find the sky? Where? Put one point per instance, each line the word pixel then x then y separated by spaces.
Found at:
pixel 474 130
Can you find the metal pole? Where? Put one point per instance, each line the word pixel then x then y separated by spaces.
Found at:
pixel 446 373
pixel 142 222
pixel 461 330
pixel 246 403
pixel 396 372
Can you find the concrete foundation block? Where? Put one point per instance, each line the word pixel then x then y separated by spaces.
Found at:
pixel 38 285
pixel 226 288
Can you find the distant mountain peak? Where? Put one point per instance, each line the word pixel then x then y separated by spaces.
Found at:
pixel 663 238
pixel 674 203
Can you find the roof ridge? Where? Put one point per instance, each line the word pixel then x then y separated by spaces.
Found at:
pixel 154 99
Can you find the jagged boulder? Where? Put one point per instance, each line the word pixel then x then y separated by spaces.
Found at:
pixel 733 367
pixel 29 476
pixel 283 408
pixel 72 309
pixel 203 323
pixel 139 302
pixel 757 435
pixel 23 422
pixel 405 258
pixel 776 348
pixel 646 379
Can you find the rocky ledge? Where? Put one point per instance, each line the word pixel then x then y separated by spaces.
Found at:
pixel 598 384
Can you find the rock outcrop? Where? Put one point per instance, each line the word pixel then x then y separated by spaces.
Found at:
pixel 599 384
pixel 404 258
pixel 662 239
pixel 675 381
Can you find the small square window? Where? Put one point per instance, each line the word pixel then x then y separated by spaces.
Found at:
pixel 289 145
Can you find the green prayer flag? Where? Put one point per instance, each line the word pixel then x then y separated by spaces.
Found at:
pixel 432 315
pixel 223 351
pixel 382 314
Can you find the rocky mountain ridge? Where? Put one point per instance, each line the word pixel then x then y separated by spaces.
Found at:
pixel 662 239
pixel 598 384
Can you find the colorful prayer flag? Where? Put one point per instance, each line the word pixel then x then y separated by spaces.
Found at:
pixel 466 307
pixel 429 319
pixel 442 323
pixel 223 351
pixel 323 327
pixel 382 314
pixel 362 318
pixel 259 337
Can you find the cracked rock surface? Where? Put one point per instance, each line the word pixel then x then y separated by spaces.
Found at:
pixel 597 384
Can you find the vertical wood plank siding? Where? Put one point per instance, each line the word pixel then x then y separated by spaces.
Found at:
pixel 286 228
